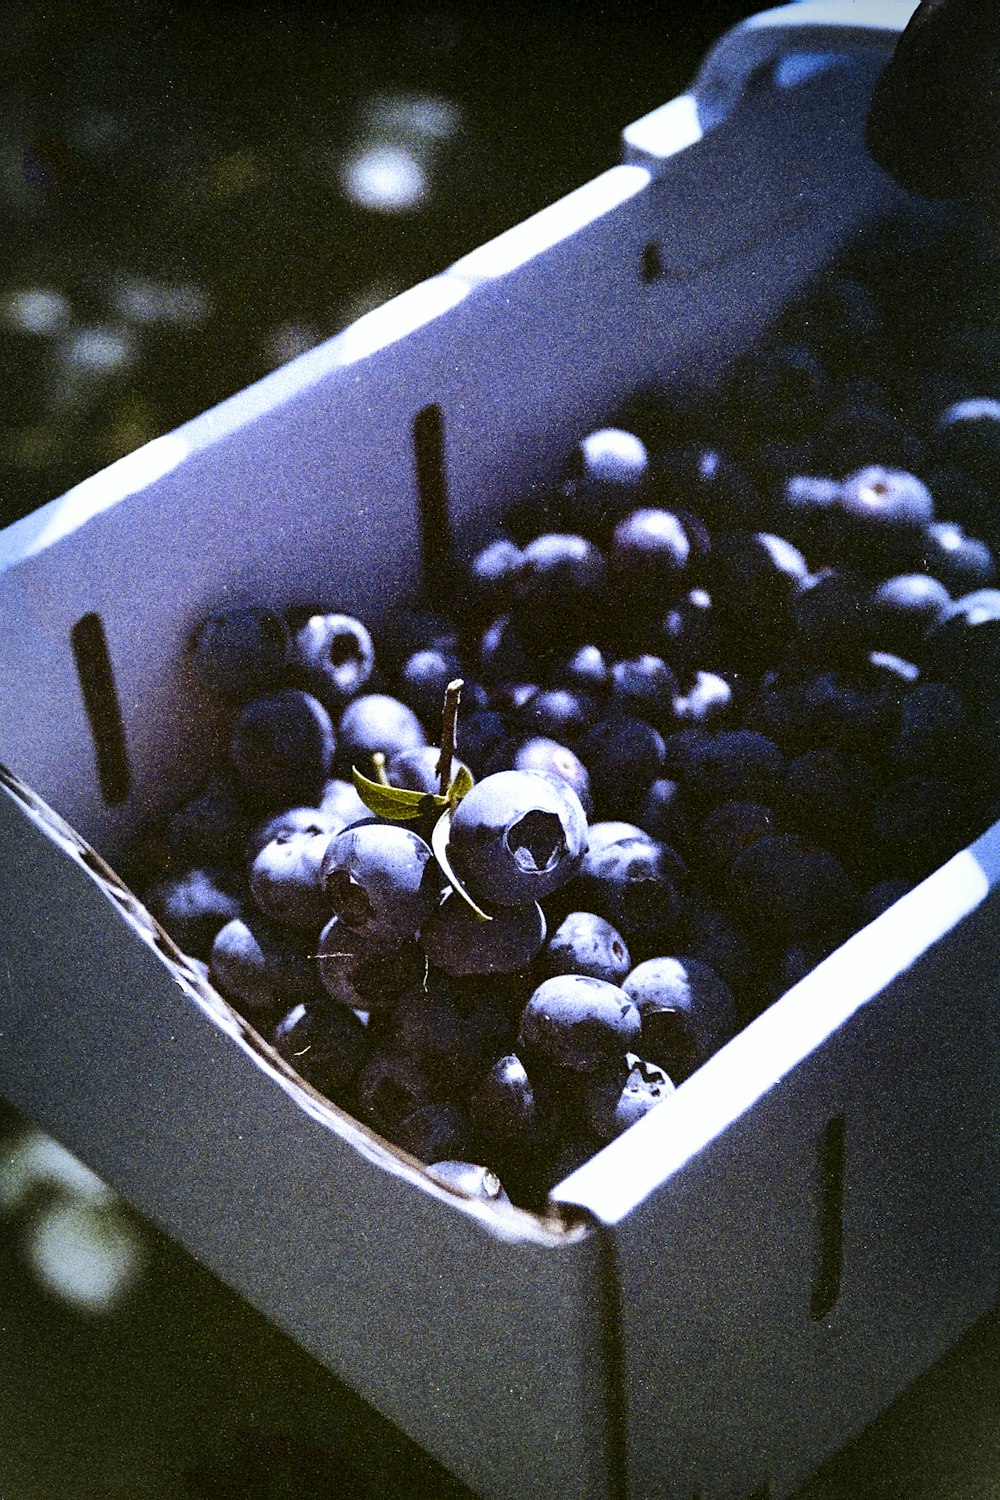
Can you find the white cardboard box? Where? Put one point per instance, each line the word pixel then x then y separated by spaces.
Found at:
pixel 723 1296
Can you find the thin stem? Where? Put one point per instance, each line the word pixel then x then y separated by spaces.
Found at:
pixel 378 759
pixel 449 720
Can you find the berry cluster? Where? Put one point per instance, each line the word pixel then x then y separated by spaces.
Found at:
pixel 727 692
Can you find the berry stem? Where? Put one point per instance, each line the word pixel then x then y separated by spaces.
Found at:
pixel 378 760
pixel 449 720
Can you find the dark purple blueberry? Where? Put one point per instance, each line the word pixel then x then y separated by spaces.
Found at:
pixel 606 471
pixel 430 1022
pixel 405 631
pixel 380 879
pixel 687 1012
pixel 663 815
pixel 688 636
pixel 624 756
pixel 558 590
pixel 885 510
pixel 435 1131
pixel 962 646
pixel 962 563
pixel 850 710
pixel 601 835
pixel 416 770
pixel 831 614
pixel 334 657
pixel 578 1022
pixel 932 727
pixel 549 758
pixel 649 556
pixel 585 943
pixel 501 655
pixel 460 943
pixel 555 713
pixel 956 494
pixel 492 578
pixel 903 610
pixel 285 879
pixel 644 687
pixel 714 939
pixel 733 764
pixel 340 801
pixel 828 795
pixel 701 479
pixel 423 679
pixel 968 436
pixel 193 906
pixel 806 510
pixel 506 1114
pixel 479 735
pixel 517 836
pixel 211 828
pixel 786 886
pixel 240 653
pixel 281 748
pixel 858 432
pixel 363 971
pixel 917 823
pixel 612 1106
pixel 391 1086
pixel 263 968
pixel 374 723
pixel 727 829
pixel 292 820
pixel 471 1180
pixel 639 886
pixel 584 670
pixel 753 578
pixel 707 703
pixel 328 1045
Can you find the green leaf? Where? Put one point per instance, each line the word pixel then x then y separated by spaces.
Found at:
pixel 461 785
pixel 394 802
pixel 439 843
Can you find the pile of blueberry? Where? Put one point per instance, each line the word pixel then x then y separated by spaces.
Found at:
pixel 706 707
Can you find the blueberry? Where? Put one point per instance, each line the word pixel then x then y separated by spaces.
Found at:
pixel 339 800
pixel 879 897
pixel 788 886
pixel 700 478
pixel 517 836
pixel 364 972
pixel 903 610
pixel 727 829
pixel 624 756
pixel 753 578
pixel 423 680
pixel 707 704
pixel 459 943
pixel 374 723
pixel 240 653
pixel 663 815
pixel 585 943
pixel 507 1115
pixel 328 1045
pixel 639 886
pixel 281 748
pixel 687 1012
pixel 578 1022
pixel 962 563
pixel 469 1179
pixel 263 968
pixel 405 631
pixel 968 436
pixel 209 829
pixel 962 646
pixel 380 879
pixel 555 713
pixel 733 764
pixel 806 511
pixel 917 823
pixel 851 710
pixel 859 432
pixel 649 555
pixel 832 615
pixel 334 657
pixel 431 1023
pixel 932 728
pixel 606 470
pixel 557 592
pixel 285 879
pixel 612 1105
pixel 492 578
pixel 479 734
pixel 956 494
pixel 601 835
pixel 292 820
pixel 828 796
pixel 713 938
pixel 644 687
pixel 391 1086
pixel 437 1130
pixel 884 509
pixel 781 389
pixel 502 655
pixel 549 758
pixel 416 770
pixel 193 906
pixel 584 670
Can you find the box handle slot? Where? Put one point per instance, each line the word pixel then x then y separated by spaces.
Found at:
pixel 830 1219
pixel 100 699
pixel 432 499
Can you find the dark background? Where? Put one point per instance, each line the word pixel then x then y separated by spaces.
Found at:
pixel 190 195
